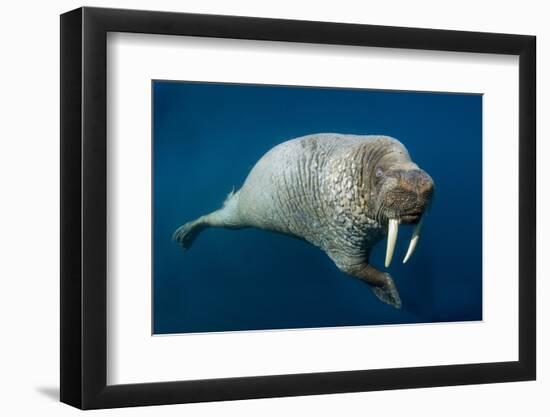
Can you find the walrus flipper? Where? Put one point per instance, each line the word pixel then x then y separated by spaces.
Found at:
pixel 388 293
pixel 381 283
pixel 186 234
pixel 226 217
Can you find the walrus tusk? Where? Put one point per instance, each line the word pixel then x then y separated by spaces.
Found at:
pixel 393 227
pixel 414 240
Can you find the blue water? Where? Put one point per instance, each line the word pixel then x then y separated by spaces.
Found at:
pixel 207 137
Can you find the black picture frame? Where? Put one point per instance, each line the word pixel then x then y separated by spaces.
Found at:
pixel 84 207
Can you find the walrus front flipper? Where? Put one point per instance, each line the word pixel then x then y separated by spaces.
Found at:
pixel 388 292
pixel 381 283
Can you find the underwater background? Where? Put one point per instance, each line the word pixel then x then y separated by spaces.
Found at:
pixel 207 137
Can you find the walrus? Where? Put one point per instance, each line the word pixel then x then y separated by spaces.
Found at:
pixel 342 193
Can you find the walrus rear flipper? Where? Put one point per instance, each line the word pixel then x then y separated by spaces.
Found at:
pixel 224 217
pixel 186 234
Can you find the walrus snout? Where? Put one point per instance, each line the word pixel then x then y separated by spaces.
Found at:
pixel 416 181
pixel 409 196
pixel 405 201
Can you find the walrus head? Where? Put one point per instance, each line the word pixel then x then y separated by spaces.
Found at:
pixel 401 193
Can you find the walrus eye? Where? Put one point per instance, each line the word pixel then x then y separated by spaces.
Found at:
pixel 378 172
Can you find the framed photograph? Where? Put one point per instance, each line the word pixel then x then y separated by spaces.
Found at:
pixel 258 208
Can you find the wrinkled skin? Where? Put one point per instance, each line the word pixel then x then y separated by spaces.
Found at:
pixel 335 191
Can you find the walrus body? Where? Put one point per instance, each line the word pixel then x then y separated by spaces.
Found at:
pixel 341 193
